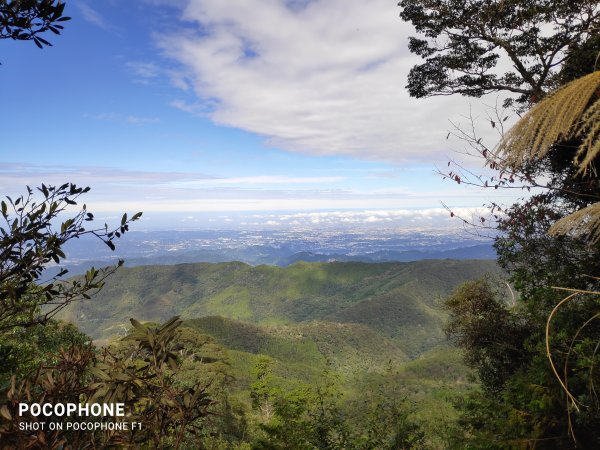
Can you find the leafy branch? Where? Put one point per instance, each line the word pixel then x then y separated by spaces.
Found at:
pixel 31 238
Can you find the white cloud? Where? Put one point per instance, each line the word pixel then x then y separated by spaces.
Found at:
pixel 430 217
pixel 14 175
pixel 143 71
pixel 133 190
pixel 94 17
pixel 121 118
pixel 324 77
pixel 136 120
pixel 266 179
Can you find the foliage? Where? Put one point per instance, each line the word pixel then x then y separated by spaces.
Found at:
pixel 348 347
pixel 553 151
pixel 398 301
pixel 305 418
pixel 31 240
pixel 572 112
pixel 66 381
pixel 465 42
pixel 381 416
pixel 56 363
pixel 422 390
pixel 314 417
pixel 144 378
pixel 529 405
pixel 142 375
pixel 582 223
pixel 260 389
pixel 23 350
pixel 206 363
pixel 490 334
pixel 567 121
pixel 26 19
pixel 535 260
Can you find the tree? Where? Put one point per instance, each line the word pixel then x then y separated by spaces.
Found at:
pixel 142 373
pixel 316 417
pixel 30 240
pixel 145 378
pixel 467 40
pixel 261 389
pixel 492 335
pixel 572 114
pixel 547 239
pixel 25 20
pixel 24 350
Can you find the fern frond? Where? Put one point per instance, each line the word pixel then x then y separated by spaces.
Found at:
pixel 571 112
pixel 590 147
pixel 585 222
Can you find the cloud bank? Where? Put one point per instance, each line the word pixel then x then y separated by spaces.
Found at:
pixel 126 190
pixel 325 77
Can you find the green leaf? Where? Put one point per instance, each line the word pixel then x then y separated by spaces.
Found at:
pixel 172 362
pixel 137 325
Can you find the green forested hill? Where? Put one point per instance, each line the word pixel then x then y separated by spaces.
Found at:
pixel 362 341
pixel 398 301
pixel 348 347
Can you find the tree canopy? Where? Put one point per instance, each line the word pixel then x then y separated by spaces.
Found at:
pixel 527 352
pixel 466 44
pixel 25 20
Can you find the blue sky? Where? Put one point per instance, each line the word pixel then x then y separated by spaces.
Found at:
pixel 194 107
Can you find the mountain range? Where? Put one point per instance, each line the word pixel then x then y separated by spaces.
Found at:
pixel 370 326
pixel 397 303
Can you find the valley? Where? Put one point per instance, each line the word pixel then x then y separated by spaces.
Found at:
pixel 346 327
pixel 279 247
pixel 398 301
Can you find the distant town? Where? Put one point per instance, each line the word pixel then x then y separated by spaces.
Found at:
pixel 280 247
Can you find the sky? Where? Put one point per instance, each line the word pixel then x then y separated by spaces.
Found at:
pixel 200 111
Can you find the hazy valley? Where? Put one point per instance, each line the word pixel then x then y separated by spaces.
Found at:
pixel 279 247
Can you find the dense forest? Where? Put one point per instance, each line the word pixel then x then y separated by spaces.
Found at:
pixel 432 354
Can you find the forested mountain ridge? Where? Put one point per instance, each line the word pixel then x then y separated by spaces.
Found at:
pixel 305 335
pixel 399 301
pixel 347 347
